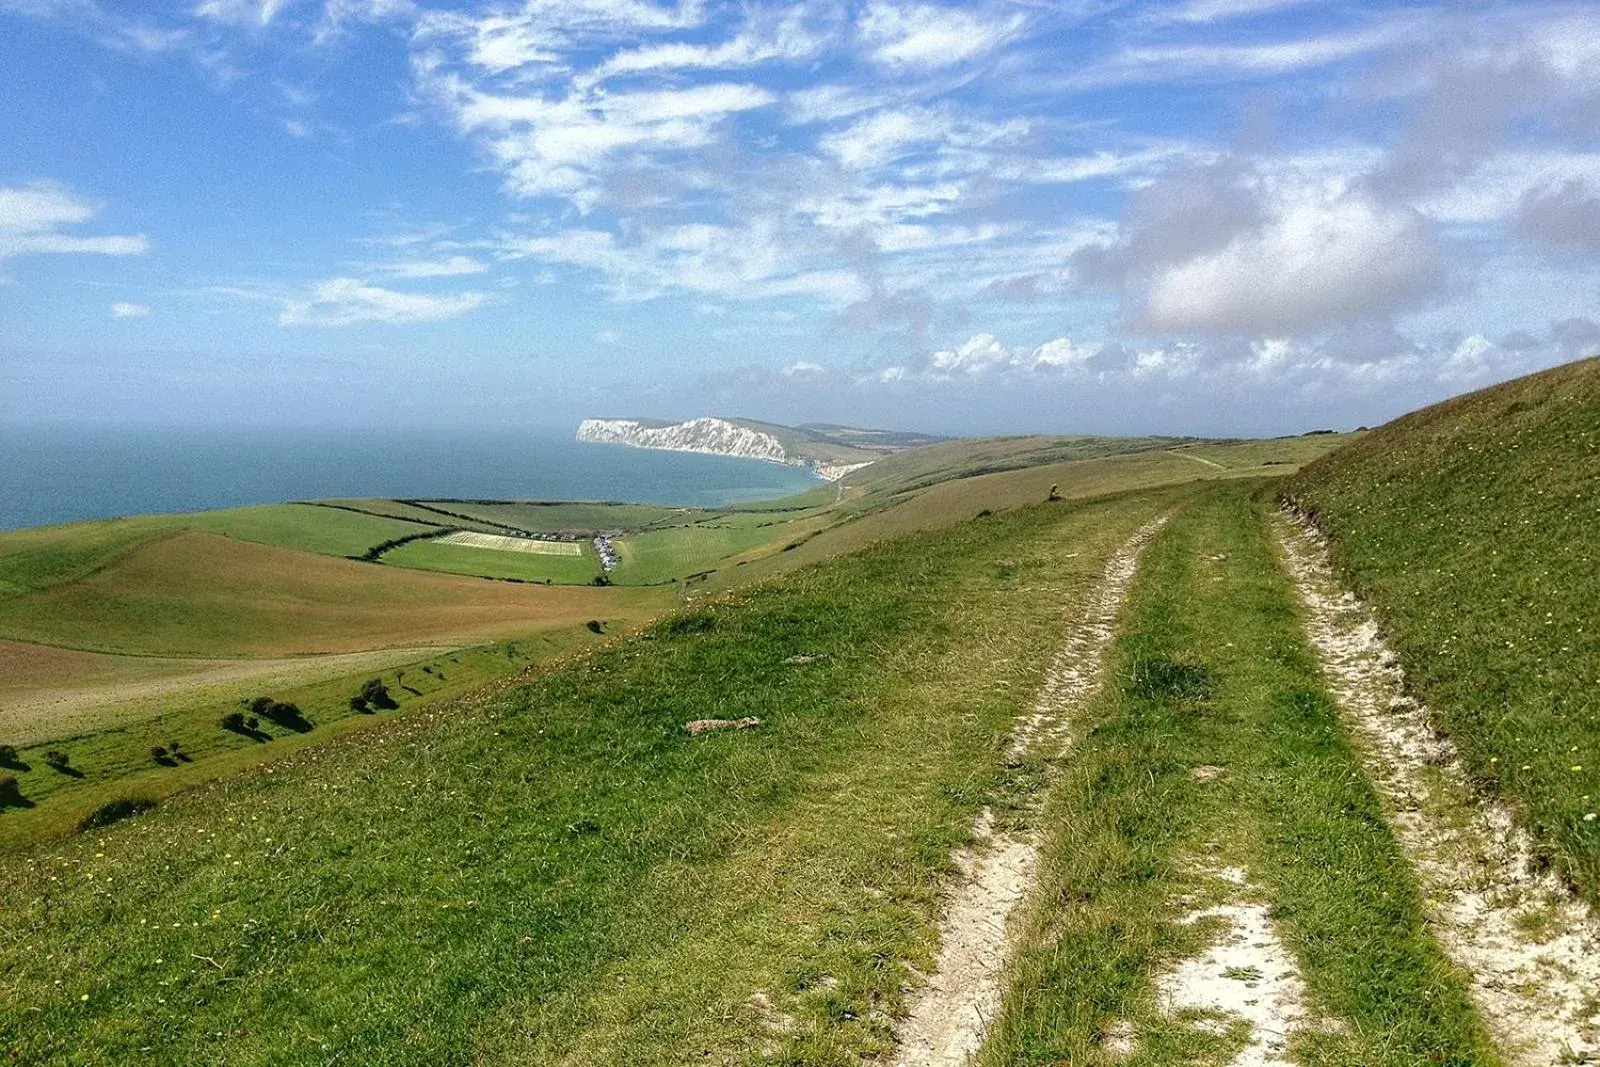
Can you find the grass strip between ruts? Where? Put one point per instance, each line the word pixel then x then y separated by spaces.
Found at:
pixel 1211 669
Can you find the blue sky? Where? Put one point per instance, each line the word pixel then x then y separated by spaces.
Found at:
pixel 1218 216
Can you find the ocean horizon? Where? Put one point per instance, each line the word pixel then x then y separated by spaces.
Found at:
pixel 61 474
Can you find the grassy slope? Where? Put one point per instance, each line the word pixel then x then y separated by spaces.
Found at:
pixel 44 556
pixel 199 594
pixel 306 527
pixel 562 875
pixel 566 516
pixel 1130 828
pixel 875 511
pixel 969 457
pixel 1471 528
pixel 115 761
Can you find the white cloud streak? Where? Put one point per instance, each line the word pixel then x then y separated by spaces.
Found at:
pixel 350 301
pixel 32 218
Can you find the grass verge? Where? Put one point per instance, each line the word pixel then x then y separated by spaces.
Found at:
pixel 1470 529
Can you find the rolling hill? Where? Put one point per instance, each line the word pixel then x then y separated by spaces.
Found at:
pixel 1008 752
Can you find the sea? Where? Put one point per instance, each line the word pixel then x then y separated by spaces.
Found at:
pixel 62 474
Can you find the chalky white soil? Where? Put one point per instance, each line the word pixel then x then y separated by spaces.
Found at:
pixel 950 1012
pixel 1531 950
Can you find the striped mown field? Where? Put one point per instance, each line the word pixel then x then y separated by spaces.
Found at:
pixel 502 543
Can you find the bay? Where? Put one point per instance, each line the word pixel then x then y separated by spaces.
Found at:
pixel 62 474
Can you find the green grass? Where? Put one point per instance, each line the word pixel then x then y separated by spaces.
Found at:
pixel 1212 668
pixel 116 761
pixel 496 563
pixel 198 594
pixel 672 554
pixel 327 531
pixel 560 874
pixel 571 516
pixel 45 556
pixel 1471 528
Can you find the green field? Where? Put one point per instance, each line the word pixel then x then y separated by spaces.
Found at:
pixel 1471 527
pixel 671 554
pixel 36 558
pixel 115 762
pixel 1146 783
pixel 566 516
pixel 491 881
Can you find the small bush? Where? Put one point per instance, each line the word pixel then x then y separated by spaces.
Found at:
pixel 235 721
pixel 57 758
pixel 10 792
pixel 158 753
pixel 600 579
pixel 358 705
pixel 287 715
pixel 375 693
pixel 114 811
pixel 253 723
pixel 260 705
pixel 595 626
pixel 9 756
pixel 985 513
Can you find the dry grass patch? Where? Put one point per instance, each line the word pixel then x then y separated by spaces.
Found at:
pixel 204 595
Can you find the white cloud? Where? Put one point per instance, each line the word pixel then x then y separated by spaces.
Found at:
pixel 803 368
pixel 1186 62
pixel 347 301
pixel 929 36
pixel 32 217
pixel 259 12
pixel 1220 10
pixel 538 33
pixel 1318 256
pixel 828 103
pixel 789 40
pixel 125 310
pixel 560 148
pixel 447 267
pixel 742 263
pixel 1496 188
pixel 894 134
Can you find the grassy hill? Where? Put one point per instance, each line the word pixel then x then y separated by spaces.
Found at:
pixel 491 881
pixel 119 636
pixel 532 860
pixel 1472 528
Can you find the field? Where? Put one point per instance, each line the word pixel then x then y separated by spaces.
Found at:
pixel 532 849
pixel 513 544
pixel 203 595
pixel 1008 752
pixel 576 568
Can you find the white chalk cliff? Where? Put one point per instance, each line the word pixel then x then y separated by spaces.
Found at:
pixel 708 435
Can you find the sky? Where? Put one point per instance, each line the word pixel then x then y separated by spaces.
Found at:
pixel 1193 216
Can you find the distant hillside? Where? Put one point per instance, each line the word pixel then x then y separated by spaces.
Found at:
pixel 829 451
pixel 1470 526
